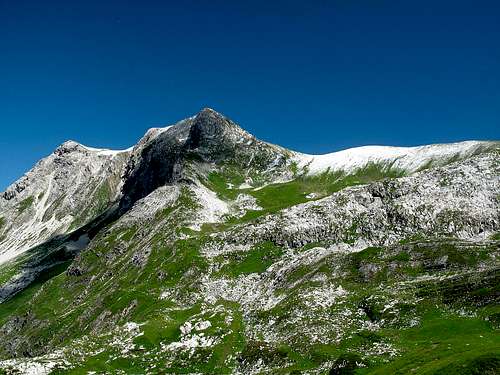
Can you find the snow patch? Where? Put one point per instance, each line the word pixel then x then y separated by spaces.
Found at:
pixel 409 159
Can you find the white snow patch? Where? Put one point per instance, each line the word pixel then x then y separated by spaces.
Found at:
pixel 105 151
pixel 409 159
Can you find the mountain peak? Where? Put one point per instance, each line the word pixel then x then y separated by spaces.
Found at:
pixel 210 118
pixel 202 228
pixel 208 110
pixel 208 137
pixel 208 129
pixel 72 146
pixel 67 147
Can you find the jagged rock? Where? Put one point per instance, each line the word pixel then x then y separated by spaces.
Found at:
pixel 203 239
pixel 74 270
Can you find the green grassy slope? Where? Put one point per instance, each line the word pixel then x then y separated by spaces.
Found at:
pixel 424 306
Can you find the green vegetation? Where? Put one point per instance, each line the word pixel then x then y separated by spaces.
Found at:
pixel 226 182
pixel 417 298
pixel 185 256
pixel 20 301
pixel 100 201
pixel 8 270
pixel 444 345
pixel 25 204
pixel 487 364
pixel 441 342
pixel 276 196
pixel 53 207
pixel 154 293
pixel 255 260
pixel 2 225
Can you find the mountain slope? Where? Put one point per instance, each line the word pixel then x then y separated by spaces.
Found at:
pixel 225 254
pixel 62 192
pixel 406 159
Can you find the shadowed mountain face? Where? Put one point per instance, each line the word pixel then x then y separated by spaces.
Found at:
pixel 207 137
pixel 157 163
pixel 214 138
pixel 205 250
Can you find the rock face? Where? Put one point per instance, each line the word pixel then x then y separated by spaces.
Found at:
pixel 61 193
pixel 457 200
pixel 207 137
pixel 205 250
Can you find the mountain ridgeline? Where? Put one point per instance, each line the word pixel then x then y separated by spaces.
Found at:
pixel 205 250
pixel 207 137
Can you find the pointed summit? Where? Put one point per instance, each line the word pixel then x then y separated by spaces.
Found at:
pixel 206 138
pixel 209 130
pixel 209 111
pixel 211 122
pixel 67 147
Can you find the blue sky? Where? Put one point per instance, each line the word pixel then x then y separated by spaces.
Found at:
pixel 315 76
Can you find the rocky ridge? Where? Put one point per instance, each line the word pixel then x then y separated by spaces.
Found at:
pixel 215 252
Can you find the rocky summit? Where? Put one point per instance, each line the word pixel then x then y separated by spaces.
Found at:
pixel 203 250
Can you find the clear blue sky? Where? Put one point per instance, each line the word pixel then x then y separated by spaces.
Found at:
pixel 315 76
